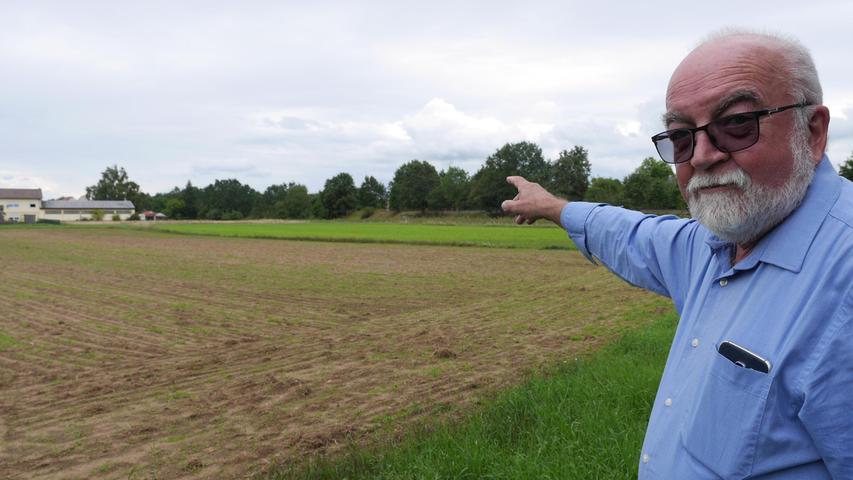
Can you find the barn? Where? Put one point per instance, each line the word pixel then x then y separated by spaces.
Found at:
pixel 24 205
pixel 73 210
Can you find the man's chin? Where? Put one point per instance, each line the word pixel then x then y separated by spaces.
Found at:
pixel 720 215
pixel 714 193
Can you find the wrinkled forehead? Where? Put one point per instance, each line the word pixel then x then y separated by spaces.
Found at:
pixel 715 73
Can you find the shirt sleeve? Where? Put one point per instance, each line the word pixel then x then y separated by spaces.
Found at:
pixel 652 252
pixel 828 394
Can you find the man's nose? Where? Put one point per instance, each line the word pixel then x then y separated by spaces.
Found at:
pixel 705 154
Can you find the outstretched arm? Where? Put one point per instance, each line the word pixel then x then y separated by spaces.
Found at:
pixel 532 202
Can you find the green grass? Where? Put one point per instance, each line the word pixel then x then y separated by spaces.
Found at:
pixel 512 236
pixel 584 418
pixel 6 341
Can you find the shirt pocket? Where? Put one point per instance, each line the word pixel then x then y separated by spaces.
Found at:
pixel 722 430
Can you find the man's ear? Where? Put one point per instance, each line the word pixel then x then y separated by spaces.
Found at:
pixel 818 132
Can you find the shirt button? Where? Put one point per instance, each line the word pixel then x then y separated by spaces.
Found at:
pixel 668 402
pixel 645 458
pixel 695 342
pixel 724 282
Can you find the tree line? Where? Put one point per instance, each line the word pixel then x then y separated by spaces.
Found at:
pixel 417 185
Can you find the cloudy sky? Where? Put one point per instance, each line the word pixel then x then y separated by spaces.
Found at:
pixel 278 91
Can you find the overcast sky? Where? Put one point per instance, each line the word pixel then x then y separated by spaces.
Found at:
pixel 278 91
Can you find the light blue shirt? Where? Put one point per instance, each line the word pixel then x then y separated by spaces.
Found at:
pixel 790 301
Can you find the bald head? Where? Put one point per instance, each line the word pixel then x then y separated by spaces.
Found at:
pixel 781 60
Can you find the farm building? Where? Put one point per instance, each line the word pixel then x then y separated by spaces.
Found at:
pixel 149 215
pixel 25 205
pixel 20 204
pixel 72 210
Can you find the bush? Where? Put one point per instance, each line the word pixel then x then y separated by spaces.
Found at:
pixel 97 215
pixel 232 215
pixel 214 214
pixel 116 217
pixel 367 212
pixel 133 217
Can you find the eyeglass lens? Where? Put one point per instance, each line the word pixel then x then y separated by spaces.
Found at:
pixel 728 134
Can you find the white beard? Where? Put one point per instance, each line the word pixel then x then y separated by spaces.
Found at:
pixel 745 217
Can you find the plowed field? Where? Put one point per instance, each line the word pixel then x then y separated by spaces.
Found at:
pixel 133 354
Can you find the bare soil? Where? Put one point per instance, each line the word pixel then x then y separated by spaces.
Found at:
pixel 130 354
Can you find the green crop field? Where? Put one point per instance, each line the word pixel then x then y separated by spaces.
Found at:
pixel 509 236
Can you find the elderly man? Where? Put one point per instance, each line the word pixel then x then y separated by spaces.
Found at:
pixel 759 379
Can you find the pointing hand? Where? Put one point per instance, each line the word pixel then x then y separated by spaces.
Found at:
pixel 532 202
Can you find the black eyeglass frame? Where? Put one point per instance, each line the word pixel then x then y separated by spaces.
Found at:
pixel 756 116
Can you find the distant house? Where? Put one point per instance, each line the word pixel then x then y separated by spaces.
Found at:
pixel 20 205
pixel 25 205
pixel 150 215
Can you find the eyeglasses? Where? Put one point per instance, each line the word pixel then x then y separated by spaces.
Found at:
pixel 728 134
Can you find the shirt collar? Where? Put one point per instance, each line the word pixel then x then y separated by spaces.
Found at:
pixel 787 244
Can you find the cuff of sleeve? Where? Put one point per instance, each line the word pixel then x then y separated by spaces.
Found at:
pixel 573 219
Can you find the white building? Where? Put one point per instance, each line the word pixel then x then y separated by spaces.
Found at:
pixel 20 205
pixel 25 205
pixel 73 210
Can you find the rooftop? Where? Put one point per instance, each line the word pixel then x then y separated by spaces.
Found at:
pixel 88 204
pixel 21 193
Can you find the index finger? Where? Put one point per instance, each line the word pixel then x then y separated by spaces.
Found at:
pixel 516 181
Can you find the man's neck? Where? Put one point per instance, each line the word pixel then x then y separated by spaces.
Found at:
pixel 742 251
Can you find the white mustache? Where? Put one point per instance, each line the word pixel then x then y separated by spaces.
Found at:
pixel 738 178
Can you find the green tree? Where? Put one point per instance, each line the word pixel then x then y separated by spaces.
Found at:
pixel 652 186
pixel 372 193
pixel 270 203
pixel 317 208
pixel 174 207
pixel 488 185
pixel 296 203
pixel 142 202
pixel 570 174
pixel 411 185
pixel 452 190
pixel 158 201
pixel 339 196
pixel 226 196
pixel 846 169
pixel 605 190
pixel 97 215
pixel 189 195
pixel 114 185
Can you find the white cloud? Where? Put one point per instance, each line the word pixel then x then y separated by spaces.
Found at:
pixel 630 128
pixel 439 128
pixel 20 179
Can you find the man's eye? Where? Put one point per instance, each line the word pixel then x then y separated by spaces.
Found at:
pixel 677 136
pixel 734 121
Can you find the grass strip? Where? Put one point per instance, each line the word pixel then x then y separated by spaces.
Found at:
pixel 584 418
pixel 533 237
